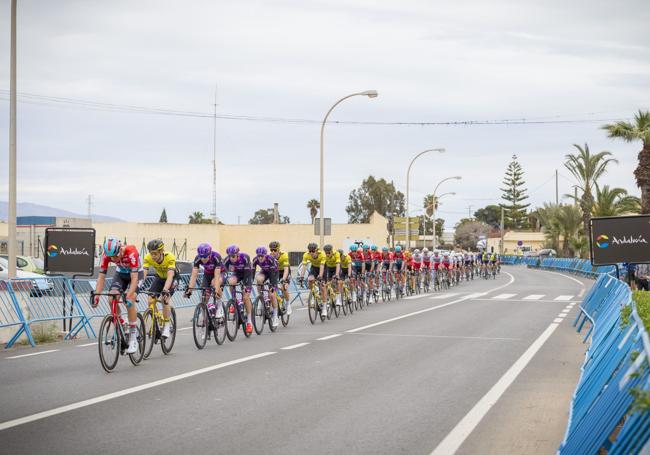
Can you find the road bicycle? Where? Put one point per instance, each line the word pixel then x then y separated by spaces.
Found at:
pixel 314 301
pixel 386 291
pixel 209 317
pixel 154 323
pixel 263 309
pixel 236 314
pixel 113 339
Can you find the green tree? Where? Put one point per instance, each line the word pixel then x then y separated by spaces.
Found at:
pixel 199 218
pixel 614 202
pixel 562 226
pixel 265 216
pixel 639 130
pixel 163 216
pixel 587 168
pixel 514 194
pixel 490 215
pixel 313 205
pixel 426 222
pixel 468 232
pixel 374 195
pixel 547 218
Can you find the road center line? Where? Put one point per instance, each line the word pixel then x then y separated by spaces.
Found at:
pixel 329 337
pixel 464 428
pixel 294 346
pixel 33 353
pixel 414 313
pixel 129 391
pixel 454 337
pixel 87 344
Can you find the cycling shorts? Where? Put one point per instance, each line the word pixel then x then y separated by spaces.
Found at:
pixel 122 281
pixel 356 270
pixel 271 276
pixel 244 277
pixel 330 273
pixel 158 284
pixel 314 271
pixel 417 265
pixel 385 265
pixel 344 273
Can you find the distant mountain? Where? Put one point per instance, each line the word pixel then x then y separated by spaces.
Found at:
pixel 29 209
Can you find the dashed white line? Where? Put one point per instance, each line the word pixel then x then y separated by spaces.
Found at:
pixel 464 428
pixel 503 296
pixel 32 354
pixel 87 344
pixel 294 346
pixel 565 311
pixel 183 328
pixel 329 337
pixel 129 391
pixel 444 296
pixel 562 315
pixel 301 309
pixel 558 320
pixel 563 298
pixel 534 297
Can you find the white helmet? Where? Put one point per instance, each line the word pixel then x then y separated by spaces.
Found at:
pixel 425 250
pixel 416 251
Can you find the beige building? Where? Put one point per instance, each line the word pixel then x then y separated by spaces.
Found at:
pixel 515 242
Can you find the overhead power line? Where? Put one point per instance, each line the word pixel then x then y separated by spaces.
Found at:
pixel 57 101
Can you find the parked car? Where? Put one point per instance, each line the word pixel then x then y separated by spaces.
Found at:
pixel 26 263
pixel 38 284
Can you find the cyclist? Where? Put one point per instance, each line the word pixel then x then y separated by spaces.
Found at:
pixel 358 264
pixel 467 259
pixel 369 266
pixel 333 270
pixel 238 269
pixel 128 273
pixel 485 261
pixel 399 262
pixel 386 258
pixel 212 273
pixel 416 265
pixel 446 266
pixel 316 258
pixel 493 261
pixel 346 265
pixel 284 270
pixel 426 261
pixel 268 271
pixel 375 254
pixel 163 284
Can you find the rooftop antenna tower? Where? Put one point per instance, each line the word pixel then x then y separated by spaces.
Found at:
pixel 213 213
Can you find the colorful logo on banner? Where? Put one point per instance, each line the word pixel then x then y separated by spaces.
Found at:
pixel 52 251
pixel 602 241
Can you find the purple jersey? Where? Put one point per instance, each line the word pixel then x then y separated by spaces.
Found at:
pixel 213 263
pixel 268 263
pixel 241 263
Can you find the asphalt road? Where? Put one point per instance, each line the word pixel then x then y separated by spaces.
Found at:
pixel 487 367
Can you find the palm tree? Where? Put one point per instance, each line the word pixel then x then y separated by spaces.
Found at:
pixel 568 220
pixel 313 205
pixel 587 168
pixel 550 228
pixel 614 202
pixel 629 132
pixel 197 218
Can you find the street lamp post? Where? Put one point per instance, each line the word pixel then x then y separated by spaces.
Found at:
pixel 458 177
pixel 12 247
pixel 369 94
pixel 408 181
pixel 433 208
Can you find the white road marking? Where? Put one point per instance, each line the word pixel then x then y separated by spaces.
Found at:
pixel 294 346
pixel 183 328
pixel 462 299
pixel 562 315
pixel 444 296
pixel 33 353
pixel 329 337
pixel 503 296
pixel 87 344
pixel 411 297
pixel 129 391
pixel 563 298
pixel 565 311
pixel 301 309
pixel 534 297
pixel 557 320
pixel 454 337
pixel 464 428
pixel 476 295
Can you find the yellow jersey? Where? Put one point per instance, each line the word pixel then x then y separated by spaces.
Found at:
pixel 315 261
pixel 168 263
pixel 333 259
pixel 345 261
pixel 283 261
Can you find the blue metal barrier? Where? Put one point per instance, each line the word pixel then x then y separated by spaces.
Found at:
pixel 11 315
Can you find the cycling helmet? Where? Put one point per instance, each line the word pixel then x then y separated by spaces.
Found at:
pixel 354 247
pixel 341 252
pixel 384 249
pixel 398 249
pixel 112 246
pixel 261 251
pixel 416 251
pixel 204 250
pixel 274 245
pixel 232 250
pixel 327 248
pixel 155 245
pixel 373 247
pixel 366 247
pixel 312 247
pixel 425 250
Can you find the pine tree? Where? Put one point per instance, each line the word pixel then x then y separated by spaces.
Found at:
pixel 514 194
pixel 163 216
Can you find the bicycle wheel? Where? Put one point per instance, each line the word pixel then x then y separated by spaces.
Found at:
pixel 232 320
pixel 259 315
pixel 375 295
pixel 334 308
pixel 137 356
pixel 168 343
pixel 109 343
pixel 150 331
pixel 312 308
pixel 200 325
pixel 284 317
pixel 243 318
pixel 219 323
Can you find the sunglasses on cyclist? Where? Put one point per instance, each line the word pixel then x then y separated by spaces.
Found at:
pixel 274 250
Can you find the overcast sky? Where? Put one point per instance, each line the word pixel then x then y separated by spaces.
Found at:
pixel 429 61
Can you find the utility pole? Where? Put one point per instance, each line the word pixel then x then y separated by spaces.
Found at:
pixel 214 161
pixel 557 192
pixel 12 247
pixel 90 207
pixel 469 212
pixel 502 229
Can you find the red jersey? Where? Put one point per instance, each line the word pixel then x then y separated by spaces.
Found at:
pixel 376 256
pixel 398 256
pixel 129 262
pixel 357 257
pixel 386 257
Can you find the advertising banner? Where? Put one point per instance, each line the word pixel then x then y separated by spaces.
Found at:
pixel 70 250
pixel 620 239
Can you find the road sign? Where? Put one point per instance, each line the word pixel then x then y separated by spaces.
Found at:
pixel 70 250
pixel 620 239
pixel 519 243
pixel 400 228
pixel 328 226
